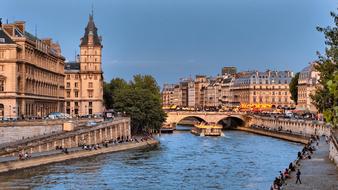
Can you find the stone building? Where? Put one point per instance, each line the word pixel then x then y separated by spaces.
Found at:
pixel 31 73
pixel 191 94
pixel 229 70
pixel 253 89
pixel 200 82
pixel 212 93
pixel 307 83
pixel 168 95
pixel 84 77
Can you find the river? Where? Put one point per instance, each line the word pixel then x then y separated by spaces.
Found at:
pixel 237 161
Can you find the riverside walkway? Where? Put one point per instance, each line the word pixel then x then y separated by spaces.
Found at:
pixel 317 173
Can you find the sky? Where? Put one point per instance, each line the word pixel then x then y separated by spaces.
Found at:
pixel 173 39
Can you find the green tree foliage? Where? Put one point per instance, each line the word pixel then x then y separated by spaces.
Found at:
pixel 293 86
pixel 140 99
pixel 325 99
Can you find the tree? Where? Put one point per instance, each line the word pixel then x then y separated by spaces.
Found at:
pixel 293 87
pixel 325 99
pixel 110 89
pixel 140 99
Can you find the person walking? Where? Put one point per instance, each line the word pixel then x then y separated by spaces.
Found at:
pixel 298 176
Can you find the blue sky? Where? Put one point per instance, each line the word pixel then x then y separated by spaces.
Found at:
pixel 170 39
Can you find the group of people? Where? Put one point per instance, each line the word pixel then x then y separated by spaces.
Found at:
pixel 119 140
pixel 24 156
pixel 64 150
pixel 306 153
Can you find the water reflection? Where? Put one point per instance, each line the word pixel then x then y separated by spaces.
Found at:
pixel 182 161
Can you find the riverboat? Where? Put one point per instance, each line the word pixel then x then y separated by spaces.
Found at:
pixel 207 130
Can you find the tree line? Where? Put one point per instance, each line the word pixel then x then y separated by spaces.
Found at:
pixel 140 99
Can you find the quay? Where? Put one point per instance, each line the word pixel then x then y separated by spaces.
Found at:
pixel 298 138
pixel 38 160
pixel 43 149
pixel 316 173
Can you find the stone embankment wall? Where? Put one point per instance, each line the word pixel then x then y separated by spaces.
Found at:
pixel 21 164
pixel 307 128
pixel 14 131
pixel 119 128
pixel 334 149
pixel 275 134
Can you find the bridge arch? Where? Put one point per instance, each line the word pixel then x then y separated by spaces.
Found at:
pixel 230 122
pixel 190 120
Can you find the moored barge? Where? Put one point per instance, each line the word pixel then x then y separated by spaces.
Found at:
pixel 207 130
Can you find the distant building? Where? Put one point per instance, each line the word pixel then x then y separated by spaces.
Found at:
pixel 191 94
pixel 212 93
pixel 84 77
pixel 255 89
pixel 31 73
pixel 229 70
pixel 200 82
pixel 307 83
pixel 168 96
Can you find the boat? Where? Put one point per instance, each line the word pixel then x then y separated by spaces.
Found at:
pixel 204 129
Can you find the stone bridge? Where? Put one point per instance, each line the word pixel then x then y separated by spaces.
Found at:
pixel 211 117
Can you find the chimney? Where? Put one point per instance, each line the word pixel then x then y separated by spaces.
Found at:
pixel 20 25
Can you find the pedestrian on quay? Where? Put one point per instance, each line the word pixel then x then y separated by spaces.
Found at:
pixel 298 176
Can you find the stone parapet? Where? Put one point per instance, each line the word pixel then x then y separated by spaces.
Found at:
pixel 333 149
pixel 298 126
pixel 21 130
pixel 276 134
pixel 110 130
pixel 38 161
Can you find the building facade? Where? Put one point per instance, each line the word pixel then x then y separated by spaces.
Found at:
pixel 31 74
pixel 269 89
pixel 168 96
pixel 84 77
pixel 307 83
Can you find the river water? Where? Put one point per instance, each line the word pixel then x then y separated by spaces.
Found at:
pixel 237 161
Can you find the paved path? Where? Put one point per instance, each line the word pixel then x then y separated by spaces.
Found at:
pixel 318 173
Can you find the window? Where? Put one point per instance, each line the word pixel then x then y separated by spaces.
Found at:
pixel 76 104
pixel 68 77
pixel 90 93
pixel 90 84
pixel 2 40
pixel 68 85
pixel 68 104
pixel 76 77
pixel 68 94
pixel 76 85
pixel 90 104
pixel 2 85
pixel 2 54
pixel 76 94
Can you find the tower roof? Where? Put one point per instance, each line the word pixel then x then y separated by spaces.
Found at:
pixel 91 30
